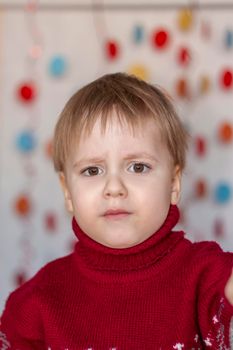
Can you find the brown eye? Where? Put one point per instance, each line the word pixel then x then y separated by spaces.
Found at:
pixel 91 171
pixel 140 167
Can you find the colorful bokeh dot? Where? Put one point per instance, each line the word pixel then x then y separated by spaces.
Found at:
pixel 138 34
pixel 182 88
pixel 49 149
pixel 26 141
pixel 160 38
pixel 58 66
pixel 26 92
pixel 20 278
pixel 223 193
pixel 139 71
pixel 23 205
pixel 225 132
pixel 184 56
pixel 219 229
pixel 185 19
pixel 226 79
pixel 200 146
pixel 50 222
pixel 112 49
pixel 228 38
pixel 201 188
pixel 204 84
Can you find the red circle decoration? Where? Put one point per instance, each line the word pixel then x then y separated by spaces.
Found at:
pixel 225 132
pixel 112 49
pixel 160 38
pixel 22 205
pixel 51 222
pixel 226 79
pixel 200 188
pixel 26 92
pixel 184 56
pixel 200 146
pixel 206 30
pixel 20 278
pixel 219 228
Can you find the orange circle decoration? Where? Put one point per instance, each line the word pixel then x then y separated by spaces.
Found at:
pixel 26 92
pixel 182 88
pixel 23 205
pixel 226 79
pixel 49 149
pixel 225 132
pixel 112 49
pixel 160 38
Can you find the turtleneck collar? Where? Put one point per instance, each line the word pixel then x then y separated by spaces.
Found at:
pixel 95 257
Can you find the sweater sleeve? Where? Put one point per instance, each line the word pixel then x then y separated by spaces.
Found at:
pixel 215 313
pixel 21 327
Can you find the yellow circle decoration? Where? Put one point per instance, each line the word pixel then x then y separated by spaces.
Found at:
pixel 185 19
pixel 139 70
pixel 205 84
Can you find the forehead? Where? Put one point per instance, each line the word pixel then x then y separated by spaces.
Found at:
pixel 120 138
pixel 116 126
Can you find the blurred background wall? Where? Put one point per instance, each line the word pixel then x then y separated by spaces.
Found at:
pixel 49 49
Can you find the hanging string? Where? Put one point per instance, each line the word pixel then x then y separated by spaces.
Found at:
pixel 26 143
pixel 98 6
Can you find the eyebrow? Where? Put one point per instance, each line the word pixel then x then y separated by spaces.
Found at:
pixel 127 157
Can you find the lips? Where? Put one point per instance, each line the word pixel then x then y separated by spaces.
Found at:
pixel 116 212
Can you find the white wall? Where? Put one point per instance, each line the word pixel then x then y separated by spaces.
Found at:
pixel 25 244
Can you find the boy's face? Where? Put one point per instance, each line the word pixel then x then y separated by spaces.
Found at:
pixel 142 186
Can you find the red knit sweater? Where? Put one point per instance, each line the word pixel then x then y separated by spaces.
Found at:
pixel 164 293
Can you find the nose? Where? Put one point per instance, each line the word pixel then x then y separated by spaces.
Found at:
pixel 114 187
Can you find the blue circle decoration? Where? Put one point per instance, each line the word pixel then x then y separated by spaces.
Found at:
pixel 229 39
pixel 57 66
pixel 223 193
pixel 26 142
pixel 138 34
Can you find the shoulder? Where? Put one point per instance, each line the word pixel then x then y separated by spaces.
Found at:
pixel 206 263
pixel 27 296
pixel 206 251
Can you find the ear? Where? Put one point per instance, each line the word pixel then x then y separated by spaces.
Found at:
pixel 66 192
pixel 176 185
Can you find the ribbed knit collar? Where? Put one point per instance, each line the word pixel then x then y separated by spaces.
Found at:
pixel 95 257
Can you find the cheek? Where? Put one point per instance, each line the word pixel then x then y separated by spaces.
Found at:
pixel 84 198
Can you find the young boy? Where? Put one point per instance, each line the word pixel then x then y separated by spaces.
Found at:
pixel 132 283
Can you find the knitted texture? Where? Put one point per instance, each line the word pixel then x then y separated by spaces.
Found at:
pixel 164 293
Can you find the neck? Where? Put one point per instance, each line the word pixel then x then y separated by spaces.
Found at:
pixel 97 258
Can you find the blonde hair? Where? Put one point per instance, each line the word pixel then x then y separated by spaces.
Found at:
pixel 134 101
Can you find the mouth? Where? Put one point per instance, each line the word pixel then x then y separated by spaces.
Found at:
pixel 116 216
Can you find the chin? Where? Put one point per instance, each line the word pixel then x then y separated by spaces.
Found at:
pixel 120 244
